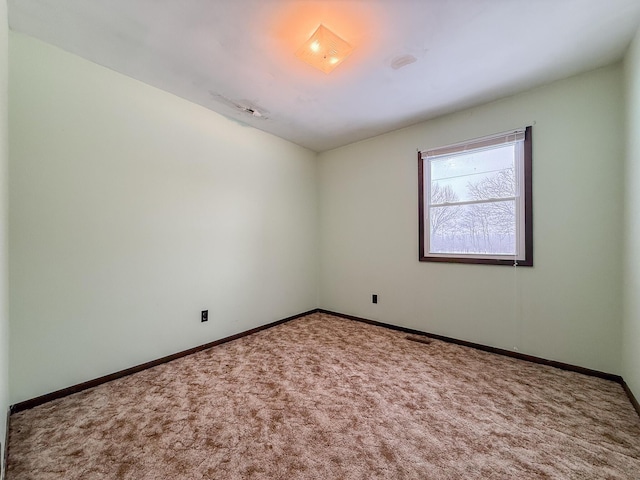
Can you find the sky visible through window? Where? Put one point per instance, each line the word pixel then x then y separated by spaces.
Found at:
pixel 486 226
pixel 460 170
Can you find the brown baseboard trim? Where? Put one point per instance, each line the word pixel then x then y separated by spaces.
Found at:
pixel 34 402
pixel 632 398
pixel 478 346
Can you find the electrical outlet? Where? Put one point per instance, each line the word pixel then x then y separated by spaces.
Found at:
pixel 374 298
pixel 204 316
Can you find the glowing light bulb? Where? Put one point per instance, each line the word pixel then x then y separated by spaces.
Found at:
pixel 315 46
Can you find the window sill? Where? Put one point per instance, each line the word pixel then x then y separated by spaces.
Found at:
pixel 477 261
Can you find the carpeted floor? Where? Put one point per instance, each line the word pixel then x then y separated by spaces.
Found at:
pixel 327 398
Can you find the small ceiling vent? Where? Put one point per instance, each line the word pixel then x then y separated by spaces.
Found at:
pixel 402 61
pixel 242 106
pixel 252 111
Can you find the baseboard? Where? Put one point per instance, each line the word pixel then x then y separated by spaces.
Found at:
pixel 632 398
pixel 34 402
pixel 478 346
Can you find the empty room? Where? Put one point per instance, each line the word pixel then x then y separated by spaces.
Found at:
pixel 305 239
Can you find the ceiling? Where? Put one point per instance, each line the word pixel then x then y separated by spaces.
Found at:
pixel 230 55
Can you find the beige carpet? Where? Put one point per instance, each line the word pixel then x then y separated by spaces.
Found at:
pixel 326 398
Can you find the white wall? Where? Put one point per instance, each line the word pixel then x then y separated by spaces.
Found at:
pixel 569 304
pixel 131 211
pixel 4 156
pixel 631 319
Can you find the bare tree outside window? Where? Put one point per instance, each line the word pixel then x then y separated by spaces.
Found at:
pixel 480 228
pixel 441 218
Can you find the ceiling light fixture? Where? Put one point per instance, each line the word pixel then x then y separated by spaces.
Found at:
pixel 324 50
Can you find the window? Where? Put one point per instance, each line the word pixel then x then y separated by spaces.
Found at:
pixel 475 201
